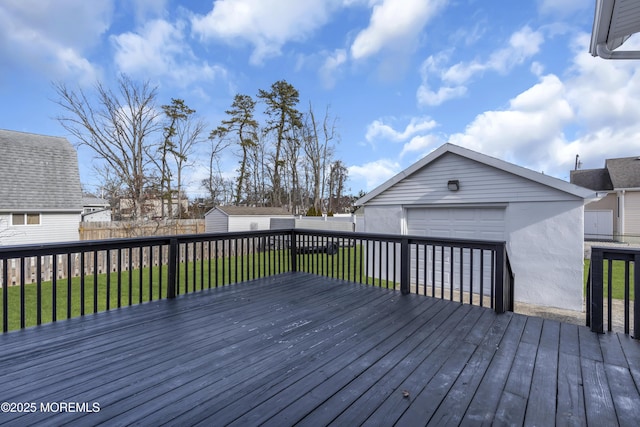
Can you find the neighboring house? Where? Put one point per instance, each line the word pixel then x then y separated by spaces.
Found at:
pixel 458 193
pixel 152 208
pixel 40 193
pixel 617 215
pixel 95 209
pixel 222 219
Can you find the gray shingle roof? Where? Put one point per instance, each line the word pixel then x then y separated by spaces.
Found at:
pixel 617 174
pixel 594 179
pixel 253 210
pixel 38 173
pixel 624 172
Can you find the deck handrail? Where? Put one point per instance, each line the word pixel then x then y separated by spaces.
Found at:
pixel 103 274
pixel 596 288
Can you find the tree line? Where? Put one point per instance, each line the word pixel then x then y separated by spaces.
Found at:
pixel 287 160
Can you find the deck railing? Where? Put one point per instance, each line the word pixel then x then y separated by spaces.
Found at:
pixel 44 283
pixel 619 268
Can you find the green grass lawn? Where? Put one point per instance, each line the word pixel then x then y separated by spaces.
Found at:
pixel 151 283
pixel 617 279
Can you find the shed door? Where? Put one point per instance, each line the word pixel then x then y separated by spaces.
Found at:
pixel 598 225
pixel 460 223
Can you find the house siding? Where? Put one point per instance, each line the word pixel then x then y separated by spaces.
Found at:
pixel 249 223
pixel 478 183
pixel 632 216
pixel 53 228
pixel 216 221
pixel 607 203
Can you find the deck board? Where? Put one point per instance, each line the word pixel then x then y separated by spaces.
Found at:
pixel 302 349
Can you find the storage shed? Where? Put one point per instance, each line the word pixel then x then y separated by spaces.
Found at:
pixel 223 219
pixel 458 193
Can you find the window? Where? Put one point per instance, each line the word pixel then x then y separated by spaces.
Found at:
pixel 26 219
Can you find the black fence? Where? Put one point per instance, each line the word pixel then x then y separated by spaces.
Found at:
pixel 44 283
pixel 614 280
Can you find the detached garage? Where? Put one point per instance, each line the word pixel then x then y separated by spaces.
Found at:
pixel 458 193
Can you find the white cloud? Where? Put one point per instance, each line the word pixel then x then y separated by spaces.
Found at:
pixel 379 130
pixel 433 66
pixel 265 24
pixel 561 8
pixel 594 112
pixel 393 24
pixel 332 66
pixel 421 144
pixel 533 122
pixel 160 50
pixel 523 44
pixel 52 37
pixel 148 8
pixel 374 173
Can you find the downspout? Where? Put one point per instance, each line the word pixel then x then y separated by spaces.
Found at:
pixel 621 215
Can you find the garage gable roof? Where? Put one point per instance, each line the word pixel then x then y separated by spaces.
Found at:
pixel 540 178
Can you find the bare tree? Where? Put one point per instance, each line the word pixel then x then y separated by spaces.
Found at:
pixel 337 178
pixel 257 187
pixel 118 126
pixel 318 138
pixel 215 184
pixel 292 182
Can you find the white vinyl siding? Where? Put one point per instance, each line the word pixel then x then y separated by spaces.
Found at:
pixel 250 222
pixel 479 183
pixel 632 213
pixel 216 221
pixel 53 228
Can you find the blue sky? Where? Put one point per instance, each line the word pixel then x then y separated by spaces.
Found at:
pixel 512 80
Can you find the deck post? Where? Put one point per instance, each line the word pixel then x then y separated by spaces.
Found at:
pixel 172 268
pixel 500 279
pixel 405 266
pixel 294 250
pixel 597 294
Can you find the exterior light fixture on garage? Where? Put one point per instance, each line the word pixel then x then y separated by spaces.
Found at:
pixel 453 185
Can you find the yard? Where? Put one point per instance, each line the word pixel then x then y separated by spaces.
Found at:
pixel 617 279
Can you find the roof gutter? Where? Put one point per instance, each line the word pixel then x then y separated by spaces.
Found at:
pixel 603 51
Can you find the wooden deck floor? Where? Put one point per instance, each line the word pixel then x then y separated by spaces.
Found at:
pixel 301 349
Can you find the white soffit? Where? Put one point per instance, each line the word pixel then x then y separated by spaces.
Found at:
pixel 614 22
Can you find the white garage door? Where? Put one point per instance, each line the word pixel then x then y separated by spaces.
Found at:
pixel 460 223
